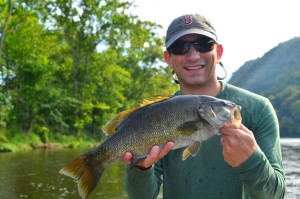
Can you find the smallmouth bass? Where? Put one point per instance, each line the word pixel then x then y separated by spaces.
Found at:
pixel 186 120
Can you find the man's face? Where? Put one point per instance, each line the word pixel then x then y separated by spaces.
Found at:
pixel 194 68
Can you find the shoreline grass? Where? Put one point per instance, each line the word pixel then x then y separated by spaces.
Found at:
pixel 32 141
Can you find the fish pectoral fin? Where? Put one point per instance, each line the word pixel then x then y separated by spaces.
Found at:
pixel 189 128
pixel 191 150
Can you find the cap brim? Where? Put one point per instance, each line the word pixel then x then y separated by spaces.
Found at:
pixel 189 31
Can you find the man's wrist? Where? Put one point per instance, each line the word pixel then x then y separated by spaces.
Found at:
pixel 143 168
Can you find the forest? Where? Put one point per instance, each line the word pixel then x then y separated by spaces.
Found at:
pixel 66 67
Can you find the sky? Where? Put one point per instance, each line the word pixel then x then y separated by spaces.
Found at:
pixel 247 29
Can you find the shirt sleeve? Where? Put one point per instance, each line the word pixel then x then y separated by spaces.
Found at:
pixel 143 183
pixel 262 174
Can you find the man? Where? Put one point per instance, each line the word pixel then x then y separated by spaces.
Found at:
pixel 239 163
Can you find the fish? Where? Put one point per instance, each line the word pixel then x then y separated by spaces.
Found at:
pixel 186 120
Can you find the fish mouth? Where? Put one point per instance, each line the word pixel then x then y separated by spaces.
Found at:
pixel 236 120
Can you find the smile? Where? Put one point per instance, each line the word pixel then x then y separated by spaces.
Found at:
pixel 194 68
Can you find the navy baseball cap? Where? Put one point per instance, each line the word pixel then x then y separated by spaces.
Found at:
pixel 190 24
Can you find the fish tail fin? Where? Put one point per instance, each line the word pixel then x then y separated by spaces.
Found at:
pixel 86 176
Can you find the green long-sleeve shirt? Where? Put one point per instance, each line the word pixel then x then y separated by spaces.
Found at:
pixel 207 175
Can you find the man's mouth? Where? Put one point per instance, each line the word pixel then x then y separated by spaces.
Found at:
pixel 194 67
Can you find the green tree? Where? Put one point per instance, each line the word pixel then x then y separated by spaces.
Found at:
pixel 27 65
pixel 69 66
pixel 112 55
pixel 6 9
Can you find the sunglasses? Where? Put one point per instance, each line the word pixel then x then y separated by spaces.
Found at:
pixel 202 45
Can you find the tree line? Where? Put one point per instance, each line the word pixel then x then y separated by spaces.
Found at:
pixel 66 67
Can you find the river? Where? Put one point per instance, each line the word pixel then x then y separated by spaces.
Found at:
pixel 34 175
pixel 291 162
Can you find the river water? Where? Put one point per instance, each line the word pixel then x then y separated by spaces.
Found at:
pixel 34 175
pixel 291 161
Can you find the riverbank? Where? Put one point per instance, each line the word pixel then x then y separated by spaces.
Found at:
pixel 23 142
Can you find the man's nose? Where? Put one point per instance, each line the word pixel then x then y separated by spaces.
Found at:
pixel 192 53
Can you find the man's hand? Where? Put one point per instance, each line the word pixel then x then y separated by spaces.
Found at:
pixel 154 155
pixel 238 145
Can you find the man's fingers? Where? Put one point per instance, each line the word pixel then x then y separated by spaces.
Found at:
pixel 127 157
pixel 228 131
pixel 246 130
pixel 165 150
pixel 151 158
pixel 154 155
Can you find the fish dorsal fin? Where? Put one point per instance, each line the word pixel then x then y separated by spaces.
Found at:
pixel 111 126
pixel 153 100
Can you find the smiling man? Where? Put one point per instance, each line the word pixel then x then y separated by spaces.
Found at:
pixel 240 163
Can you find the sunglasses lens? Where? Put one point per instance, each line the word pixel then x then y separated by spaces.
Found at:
pixel 202 45
pixel 179 48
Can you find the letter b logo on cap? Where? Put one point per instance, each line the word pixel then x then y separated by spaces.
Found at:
pixel 187 19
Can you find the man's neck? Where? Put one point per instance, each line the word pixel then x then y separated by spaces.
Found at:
pixel 210 90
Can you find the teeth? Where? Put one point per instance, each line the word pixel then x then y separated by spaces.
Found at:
pixel 194 68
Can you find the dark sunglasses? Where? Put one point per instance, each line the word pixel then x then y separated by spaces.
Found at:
pixel 202 45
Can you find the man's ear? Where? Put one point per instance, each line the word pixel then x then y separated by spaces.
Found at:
pixel 219 52
pixel 167 57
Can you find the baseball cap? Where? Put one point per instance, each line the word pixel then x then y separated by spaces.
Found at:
pixel 189 24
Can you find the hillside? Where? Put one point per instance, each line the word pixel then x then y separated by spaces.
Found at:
pixel 276 75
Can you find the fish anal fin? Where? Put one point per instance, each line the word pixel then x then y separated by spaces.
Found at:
pixel 84 175
pixel 112 125
pixel 191 150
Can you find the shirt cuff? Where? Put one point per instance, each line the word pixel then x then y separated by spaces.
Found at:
pixel 139 172
pixel 252 162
